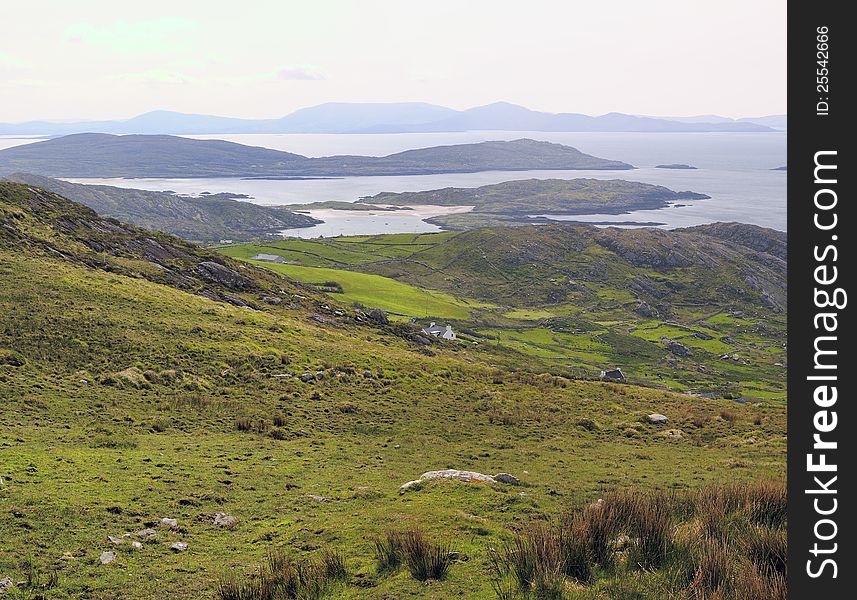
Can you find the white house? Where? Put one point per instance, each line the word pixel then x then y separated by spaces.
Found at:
pixel 613 375
pixel 274 258
pixel 442 332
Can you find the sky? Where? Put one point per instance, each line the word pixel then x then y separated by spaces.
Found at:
pixel 102 59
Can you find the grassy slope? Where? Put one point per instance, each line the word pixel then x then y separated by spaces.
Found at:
pixel 574 293
pixel 380 292
pixel 83 460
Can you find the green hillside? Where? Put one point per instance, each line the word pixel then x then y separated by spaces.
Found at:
pixel 699 309
pixel 142 378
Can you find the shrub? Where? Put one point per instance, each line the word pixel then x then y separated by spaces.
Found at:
pixel 115 440
pixel 160 424
pixel 279 434
pixel 728 416
pixel 751 583
pixel 424 559
pixel 766 548
pixel 767 503
pixel 252 425
pixel 535 550
pixel 388 551
pixel 712 566
pixel 576 545
pixel 282 577
pixel 588 424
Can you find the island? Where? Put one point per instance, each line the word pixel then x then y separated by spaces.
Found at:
pixel 679 166
pixel 99 155
pixel 533 201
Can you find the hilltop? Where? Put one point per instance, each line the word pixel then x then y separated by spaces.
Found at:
pixel 206 218
pixel 103 155
pixel 143 378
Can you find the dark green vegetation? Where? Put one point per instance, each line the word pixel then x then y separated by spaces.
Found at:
pixel 136 383
pixel 511 202
pixel 700 309
pixel 103 155
pixel 208 219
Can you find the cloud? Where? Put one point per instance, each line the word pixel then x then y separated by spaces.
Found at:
pixel 156 76
pixel 299 74
pixel 11 61
pixel 156 35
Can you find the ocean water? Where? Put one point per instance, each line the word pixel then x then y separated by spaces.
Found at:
pixel 735 169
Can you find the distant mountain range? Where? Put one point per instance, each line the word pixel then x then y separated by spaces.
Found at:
pixel 402 117
pixel 104 155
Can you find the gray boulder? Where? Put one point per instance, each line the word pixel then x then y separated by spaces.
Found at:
pixel 466 476
pixel 657 419
pixel 224 520
pixel 677 348
pixel 179 547
pixel 458 475
pixel 217 273
pixel 167 522
pixel 507 478
pixel 5 584
pixel 411 485
pixel 107 557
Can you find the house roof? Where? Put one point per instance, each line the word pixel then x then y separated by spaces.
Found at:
pixel 268 257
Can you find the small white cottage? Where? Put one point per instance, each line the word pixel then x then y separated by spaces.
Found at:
pixel 442 332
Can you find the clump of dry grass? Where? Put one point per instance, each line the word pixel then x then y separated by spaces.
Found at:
pixel 424 558
pixel 283 578
pixel 718 543
pixel 388 551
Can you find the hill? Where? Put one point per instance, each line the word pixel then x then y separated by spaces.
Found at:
pixel 511 117
pixel 512 202
pixel 698 309
pixel 138 384
pixel 207 218
pixel 394 117
pixel 102 155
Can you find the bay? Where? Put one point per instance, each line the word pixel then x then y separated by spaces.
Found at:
pixel 735 169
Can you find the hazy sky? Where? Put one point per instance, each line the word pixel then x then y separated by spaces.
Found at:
pixel 259 58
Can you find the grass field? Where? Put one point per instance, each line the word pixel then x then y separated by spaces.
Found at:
pixel 128 399
pixel 400 299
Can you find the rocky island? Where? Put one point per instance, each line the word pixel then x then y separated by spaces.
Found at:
pixel 678 166
pixel 531 201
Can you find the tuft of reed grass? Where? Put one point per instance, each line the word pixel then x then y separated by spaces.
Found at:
pixel 424 558
pixel 389 553
pixel 283 577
